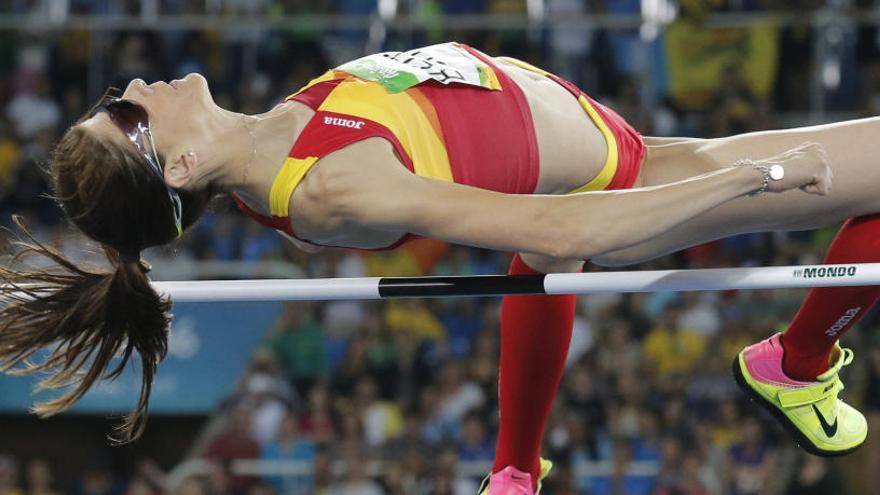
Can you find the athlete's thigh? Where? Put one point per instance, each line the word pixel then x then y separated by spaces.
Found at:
pixel 851 146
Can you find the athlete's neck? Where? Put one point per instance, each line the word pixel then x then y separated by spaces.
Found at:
pixel 251 149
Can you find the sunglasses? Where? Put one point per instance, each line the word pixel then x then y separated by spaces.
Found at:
pixel 132 119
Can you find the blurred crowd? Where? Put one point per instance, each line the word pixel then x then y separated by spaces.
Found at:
pixel 400 397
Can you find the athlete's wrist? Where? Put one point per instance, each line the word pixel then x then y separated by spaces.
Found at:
pixel 769 172
pixel 750 179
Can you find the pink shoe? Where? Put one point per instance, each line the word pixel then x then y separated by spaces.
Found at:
pixel 819 421
pixel 509 481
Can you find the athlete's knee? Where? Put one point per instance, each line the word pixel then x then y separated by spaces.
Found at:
pixel 548 264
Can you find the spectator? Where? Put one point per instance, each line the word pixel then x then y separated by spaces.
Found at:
pixel 684 481
pixel 751 462
pixel 290 447
pixel 580 440
pixel 815 476
pixel 463 322
pixel 582 396
pixel 323 472
pixel 235 442
pixel 668 348
pixel 317 422
pixel 357 481
pixel 620 480
pixel 98 480
pixel 413 316
pixel 700 314
pixel 9 476
pixel 299 345
pixel 355 365
pixel 382 356
pixel 457 394
pixel 475 444
pixel 410 440
pixel 34 110
pixel 446 479
pixel 39 478
pixel 618 354
pixel 728 425
pixel 382 420
pixel 219 481
pixel 648 445
pixel 268 395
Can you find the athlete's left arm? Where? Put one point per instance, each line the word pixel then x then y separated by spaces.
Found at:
pixel 365 186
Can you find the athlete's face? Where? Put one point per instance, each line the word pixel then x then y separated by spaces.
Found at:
pixel 176 111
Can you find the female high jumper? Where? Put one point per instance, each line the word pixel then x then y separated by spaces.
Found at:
pixel 448 143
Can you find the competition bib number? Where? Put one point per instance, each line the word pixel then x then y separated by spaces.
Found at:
pixel 446 63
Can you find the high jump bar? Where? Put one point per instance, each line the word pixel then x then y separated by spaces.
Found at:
pixel 327 289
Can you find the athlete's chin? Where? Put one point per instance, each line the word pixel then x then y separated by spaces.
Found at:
pixel 196 78
pixel 198 85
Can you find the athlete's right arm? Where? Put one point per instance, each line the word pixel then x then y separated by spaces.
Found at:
pixel 375 191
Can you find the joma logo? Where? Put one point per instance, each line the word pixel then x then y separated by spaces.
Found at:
pixel 826 272
pixel 841 323
pixel 354 124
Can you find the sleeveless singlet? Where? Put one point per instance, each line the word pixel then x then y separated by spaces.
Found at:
pixel 449 113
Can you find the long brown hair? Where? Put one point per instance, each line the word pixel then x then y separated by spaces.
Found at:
pixel 87 316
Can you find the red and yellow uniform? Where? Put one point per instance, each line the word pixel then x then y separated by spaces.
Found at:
pixel 477 132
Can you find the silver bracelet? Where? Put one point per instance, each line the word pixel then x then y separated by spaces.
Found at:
pixel 748 162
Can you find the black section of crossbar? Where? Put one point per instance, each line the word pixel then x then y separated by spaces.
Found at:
pixel 480 285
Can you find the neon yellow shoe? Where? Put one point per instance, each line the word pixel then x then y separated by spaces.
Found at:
pixel 821 423
pixel 512 481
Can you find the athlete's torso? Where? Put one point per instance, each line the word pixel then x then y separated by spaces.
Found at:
pixel 458 132
pixel 571 148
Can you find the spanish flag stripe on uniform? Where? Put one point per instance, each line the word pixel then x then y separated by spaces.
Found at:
pixel 400 113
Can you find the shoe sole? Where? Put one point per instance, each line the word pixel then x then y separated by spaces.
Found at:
pixel 799 438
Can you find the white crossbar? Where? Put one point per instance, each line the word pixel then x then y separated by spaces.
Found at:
pixel 495 285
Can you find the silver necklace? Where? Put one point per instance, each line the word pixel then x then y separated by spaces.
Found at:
pixel 247 167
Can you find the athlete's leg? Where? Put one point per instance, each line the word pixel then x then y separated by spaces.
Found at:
pixel 853 149
pixel 790 373
pixel 829 312
pixel 535 334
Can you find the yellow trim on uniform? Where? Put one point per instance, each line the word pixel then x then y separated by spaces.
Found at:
pixel 401 114
pixel 606 175
pixel 290 175
pixel 525 65
pixel 601 181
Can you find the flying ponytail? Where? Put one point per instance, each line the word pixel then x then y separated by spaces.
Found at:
pixel 84 317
